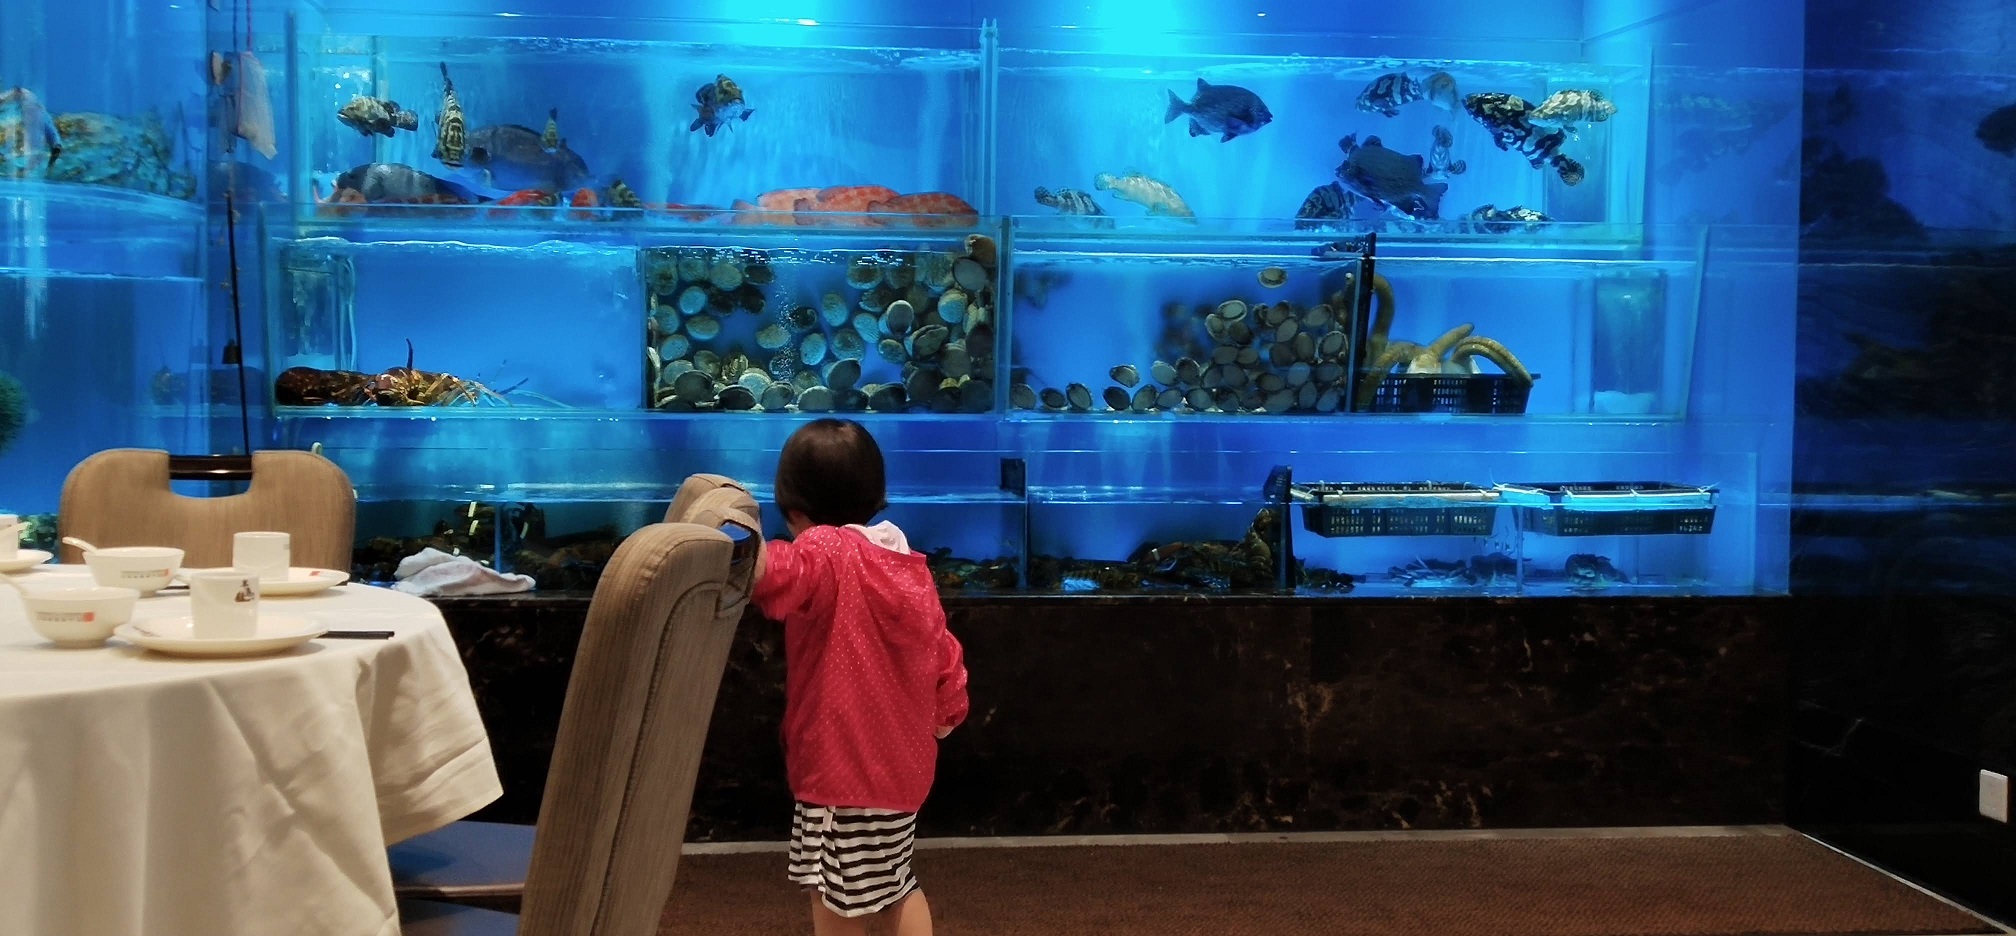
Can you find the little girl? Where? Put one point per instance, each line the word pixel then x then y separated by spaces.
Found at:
pixel 873 680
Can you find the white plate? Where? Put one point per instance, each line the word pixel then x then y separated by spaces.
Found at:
pixel 25 559
pixel 299 581
pixel 176 637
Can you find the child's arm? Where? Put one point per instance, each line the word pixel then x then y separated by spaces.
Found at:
pixel 788 578
pixel 953 703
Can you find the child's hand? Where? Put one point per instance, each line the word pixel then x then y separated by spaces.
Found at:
pixel 943 730
pixel 762 551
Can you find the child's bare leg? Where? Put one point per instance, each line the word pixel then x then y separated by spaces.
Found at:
pixel 913 915
pixel 827 923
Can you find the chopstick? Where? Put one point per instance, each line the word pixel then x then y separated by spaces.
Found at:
pixel 358 635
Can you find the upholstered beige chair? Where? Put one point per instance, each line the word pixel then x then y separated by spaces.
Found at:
pixel 120 497
pixel 668 603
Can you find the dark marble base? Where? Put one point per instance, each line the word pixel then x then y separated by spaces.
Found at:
pixel 1242 715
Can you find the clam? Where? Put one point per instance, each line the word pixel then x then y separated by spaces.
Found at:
pixel 816 399
pixel 1144 400
pixel 922 384
pixel 952 307
pixel 1287 330
pixel 981 248
pixel 737 397
pixel 841 375
pixel 1125 375
pixel 1298 374
pixel 760 273
pixel 954 359
pixel 1116 399
pixel 980 342
pixel 1053 398
pixel 1273 315
pixel 1252 399
pixel 773 336
pixel 778 396
pixel 1281 355
pixel 900 275
pixel 1237 377
pixel 812 348
pixel 1270 382
pixel 1169 399
pixel 703 327
pixel 1224 354
pixel 934 270
pixel 693 386
pixel 1331 345
pixel 674 369
pixel 805 379
pixel 897 319
pixel 1022 396
pixel 674 347
pixel 1329 400
pixel 676 405
pixel 863 273
pixel 887 399
pixel 693 267
pixel 1247 357
pixel 1329 372
pixel 1316 316
pixel 1273 277
pixel 976 396
pixel 1232 310
pixel 833 309
pixel 783 364
pixel 969 275
pixel 750 299
pixel 1279 401
pixel 1305 396
pixel 892 351
pixel 1162 372
pixel 801 319
pixel 1305 348
pixel 726 275
pixel 945 400
pixel 1199 399
pixel 693 300
pixel 1239 333
pixel 850 400
pixel 1227 400
pixel 877 299
pixel 868 325
pixel 846 345
pixel 1215 327
pixel 1188 371
pixel 1079 396
pixel 927 341
pixel 707 362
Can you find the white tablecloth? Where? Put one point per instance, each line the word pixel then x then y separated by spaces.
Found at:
pixel 143 795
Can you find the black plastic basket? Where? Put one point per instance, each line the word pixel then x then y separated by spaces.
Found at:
pixel 1558 519
pixel 1485 394
pixel 1434 515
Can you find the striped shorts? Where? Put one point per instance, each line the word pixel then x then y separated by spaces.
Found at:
pixel 857 859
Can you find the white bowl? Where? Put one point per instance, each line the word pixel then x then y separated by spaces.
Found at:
pixel 78 617
pixel 146 569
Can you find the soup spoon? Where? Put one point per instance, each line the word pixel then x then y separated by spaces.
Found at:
pixel 80 544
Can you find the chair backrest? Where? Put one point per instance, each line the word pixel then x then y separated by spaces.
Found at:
pixel 638 705
pixel 701 485
pixel 120 497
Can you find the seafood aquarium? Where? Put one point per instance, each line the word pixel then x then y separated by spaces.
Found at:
pixel 1409 300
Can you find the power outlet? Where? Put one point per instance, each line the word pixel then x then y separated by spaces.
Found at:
pixel 1994 796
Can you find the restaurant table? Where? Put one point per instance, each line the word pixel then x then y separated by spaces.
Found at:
pixel 148 795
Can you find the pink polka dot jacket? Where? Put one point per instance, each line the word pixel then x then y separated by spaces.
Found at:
pixel 872 677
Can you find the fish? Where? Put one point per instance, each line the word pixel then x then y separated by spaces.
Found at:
pixel 1070 201
pixel 694 213
pixel 944 207
pixel 1389 179
pixel 509 156
pixel 841 199
pixel 1389 92
pixel 1509 118
pixel 1492 220
pixel 785 199
pixel 720 104
pixel 1571 109
pixel 396 183
pixel 1150 193
pixel 1440 166
pixel 1327 202
pixel 623 196
pixel 369 115
pixel 524 198
pixel 1997 131
pixel 551 138
pixel 583 198
pixel 33 115
pixel 449 130
pixel 1441 90
pixel 1228 110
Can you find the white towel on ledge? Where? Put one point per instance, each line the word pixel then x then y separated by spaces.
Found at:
pixel 432 573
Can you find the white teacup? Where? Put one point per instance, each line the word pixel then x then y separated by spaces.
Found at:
pixel 11 529
pixel 224 603
pixel 269 555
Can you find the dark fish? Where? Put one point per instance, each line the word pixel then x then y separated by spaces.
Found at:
pixel 1389 92
pixel 1509 118
pixel 449 141
pixel 720 103
pixel 1389 179
pixel 1068 201
pixel 1492 220
pixel 1440 166
pixel 1327 202
pixel 368 115
pixel 623 196
pixel 1998 131
pixel 512 157
pixel 398 183
pixel 1223 109
pixel 34 115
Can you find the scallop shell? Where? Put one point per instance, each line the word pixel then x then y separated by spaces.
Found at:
pixel 783 364
pixel 1227 401
pixel 1079 396
pixel 1275 314
pixel 898 319
pixel 891 350
pixel 674 347
pixel 1305 348
pixel 888 398
pixel 1270 382
pixel 1316 316
pixel 1239 333
pixel 674 369
pixel 1189 371
pixel 1281 355
pixel 1053 398
pixel 1215 377
pixel 1247 357
pixel 954 359
pixel 850 400
pixel 934 270
pixel 970 276
pixel 923 384
pixel 1237 377
pixel 952 307
pixel 1331 345
pixel 980 342
pixel 1279 401
pixel 1022 396
pixel 1215 327
pixel 760 273
pixel 726 275
pixel 976 396
pixel 693 267
pixel 842 374
pixel 693 300
pixel 756 381
pixel 1144 400
pixel 693 386
pixel 1169 399
pixel 1287 330
pixel 1125 375
pixel 1232 310
pixel 707 362
pixel 805 379
pixel 816 400
pixel 1298 374
pixel 863 273
pixel 928 340
pixel 1252 399
pixel 1305 396
pixel 703 327
pixel 981 248
pixel 877 299
pixel 1273 277
pixel 834 309
pixel 812 348
pixel 1224 354
pixel 801 319
pixel 773 336
pixel 900 275
pixel 847 345
pixel 778 396
pixel 1162 372
pixel 1199 399
pixel 868 326
pixel 1329 400
pixel 1117 399
pixel 750 299
pixel 1329 372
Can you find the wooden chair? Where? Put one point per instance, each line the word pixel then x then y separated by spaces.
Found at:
pixel 488 864
pixel 120 497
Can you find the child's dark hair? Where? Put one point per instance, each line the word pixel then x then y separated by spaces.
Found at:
pixel 831 471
